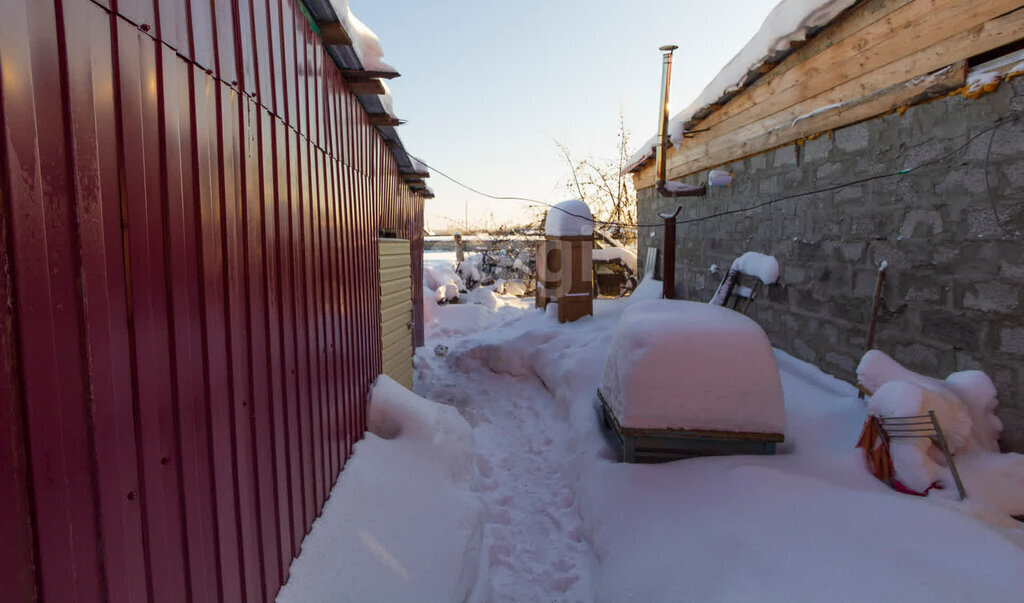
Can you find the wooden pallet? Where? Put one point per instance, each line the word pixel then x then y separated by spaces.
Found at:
pixel 645 445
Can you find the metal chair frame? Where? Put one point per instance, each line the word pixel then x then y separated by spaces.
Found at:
pixel 919 426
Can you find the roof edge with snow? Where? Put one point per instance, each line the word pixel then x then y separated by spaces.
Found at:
pixel 357 53
pixel 790 24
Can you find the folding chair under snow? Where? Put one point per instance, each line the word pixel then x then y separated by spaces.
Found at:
pixel 752 267
pixel 879 431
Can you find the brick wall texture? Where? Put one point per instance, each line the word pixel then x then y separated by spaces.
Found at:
pixel 950 230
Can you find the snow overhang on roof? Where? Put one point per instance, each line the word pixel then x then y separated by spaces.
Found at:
pixel 787 27
pixel 357 52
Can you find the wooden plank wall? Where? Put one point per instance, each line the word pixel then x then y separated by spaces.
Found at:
pixel 862 65
pixel 189 207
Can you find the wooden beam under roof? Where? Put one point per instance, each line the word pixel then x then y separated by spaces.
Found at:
pixel 373 86
pixel 334 34
pixel 352 75
pixel 383 119
pixel 415 182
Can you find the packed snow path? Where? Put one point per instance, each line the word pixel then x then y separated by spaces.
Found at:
pixel 533 544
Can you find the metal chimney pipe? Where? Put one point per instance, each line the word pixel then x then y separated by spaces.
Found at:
pixel 666 82
pixel 663 142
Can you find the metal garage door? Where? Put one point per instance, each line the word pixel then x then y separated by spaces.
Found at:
pixel 396 310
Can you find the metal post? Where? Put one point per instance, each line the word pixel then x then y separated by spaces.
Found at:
pixel 666 79
pixel 949 457
pixel 668 256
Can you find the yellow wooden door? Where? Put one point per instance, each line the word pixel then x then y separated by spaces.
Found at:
pixel 396 310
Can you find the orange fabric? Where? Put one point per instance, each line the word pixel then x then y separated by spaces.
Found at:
pixel 876 450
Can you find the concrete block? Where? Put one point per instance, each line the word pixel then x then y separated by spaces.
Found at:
pixel 982 222
pixel 992 297
pixel 950 328
pixel 830 173
pixel 1006 141
pixel 1011 341
pixel 844 362
pixel 967 361
pixel 849 252
pixel 926 294
pixel 804 352
pixel 757 162
pixel 921 223
pixel 852 138
pixel 921 155
pixel 785 156
pixel 1012 438
pixel 806 301
pixel 918 357
pixel 817 149
pixel 850 309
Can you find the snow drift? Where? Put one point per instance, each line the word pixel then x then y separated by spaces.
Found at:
pixel 402 523
pixel 964 404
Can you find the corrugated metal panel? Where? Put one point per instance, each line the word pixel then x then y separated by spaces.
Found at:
pixel 191 199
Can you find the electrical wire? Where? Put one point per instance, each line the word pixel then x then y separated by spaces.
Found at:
pixel 1011 117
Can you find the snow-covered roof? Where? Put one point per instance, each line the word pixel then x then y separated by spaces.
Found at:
pixel 790 22
pixel 359 55
pixel 365 43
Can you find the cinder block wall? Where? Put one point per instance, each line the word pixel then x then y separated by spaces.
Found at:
pixel 950 231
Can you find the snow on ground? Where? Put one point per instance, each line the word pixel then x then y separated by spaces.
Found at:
pixel 402 524
pixel 548 513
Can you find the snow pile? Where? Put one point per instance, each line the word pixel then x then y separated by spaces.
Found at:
pixel 789 22
pixel 764 267
pixel 478 309
pixel 441 272
pixel 610 254
pixel 916 460
pixel 647 289
pixel 674 186
pixel 387 101
pixel 365 43
pixel 687 365
pixel 447 293
pixel 964 404
pixel 569 219
pixel 963 400
pixel 402 523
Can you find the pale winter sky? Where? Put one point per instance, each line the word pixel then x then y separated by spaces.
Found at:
pixel 488 87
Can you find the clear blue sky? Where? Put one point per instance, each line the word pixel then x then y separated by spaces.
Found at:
pixel 488 86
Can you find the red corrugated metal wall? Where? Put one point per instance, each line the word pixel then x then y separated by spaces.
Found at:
pixel 189 211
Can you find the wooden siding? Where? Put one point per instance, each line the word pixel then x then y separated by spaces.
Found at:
pixel 190 201
pixel 396 310
pixel 868 62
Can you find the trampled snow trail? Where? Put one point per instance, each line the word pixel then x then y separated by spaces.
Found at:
pixel 534 547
